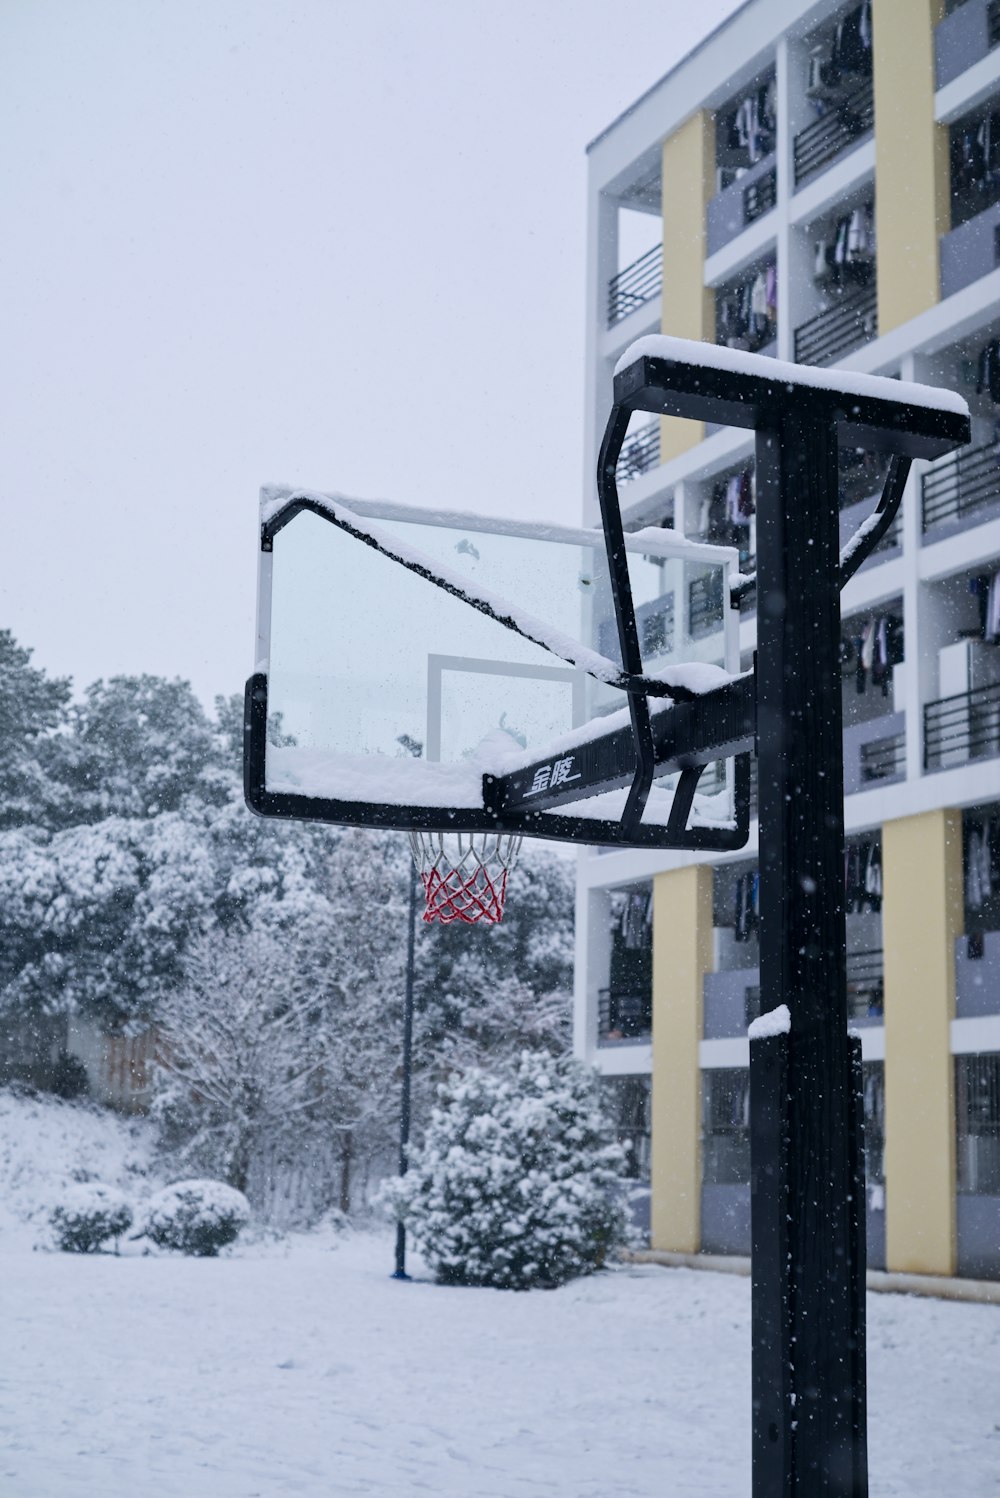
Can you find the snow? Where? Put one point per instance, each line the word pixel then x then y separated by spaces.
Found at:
pixel 842 381
pixel 659 539
pixel 774 1022
pixel 860 536
pixel 404 781
pixel 396 780
pixel 299 1366
pixel 303 1368
pixel 46 1146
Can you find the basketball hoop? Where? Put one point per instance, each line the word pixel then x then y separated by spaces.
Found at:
pixel 464 874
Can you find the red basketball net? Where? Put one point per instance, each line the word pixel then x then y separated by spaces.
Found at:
pixel 464 874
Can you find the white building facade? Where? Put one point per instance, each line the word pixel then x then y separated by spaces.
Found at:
pixel 821 182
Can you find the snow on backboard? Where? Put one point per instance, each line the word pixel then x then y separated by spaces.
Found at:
pixel 368 650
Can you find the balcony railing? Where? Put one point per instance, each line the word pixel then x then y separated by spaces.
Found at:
pixel 851 321
pixel 637 284
pixel 623 1015
pixel 865 987
pixel 760 197
pixel 822 141
pixel 884 759
pixel 640 452
pixel 966 482
pixel 961 728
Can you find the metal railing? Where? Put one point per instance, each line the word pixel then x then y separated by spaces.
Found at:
pixel 637 284
pixel 852 320
pixel 822 141
pixel 964 727
pixel 623 1014
pixel 865 987
pixel 640 452
pixel 884 759
pixel 967 481
pixel 760 197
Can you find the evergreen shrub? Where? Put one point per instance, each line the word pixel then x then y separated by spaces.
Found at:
pixel 196 1217
pixel 88 1215
pixel 518 1182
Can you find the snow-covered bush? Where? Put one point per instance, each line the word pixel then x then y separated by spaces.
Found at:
pixel 88 1215
pixel 518 1180
pixel 197 1217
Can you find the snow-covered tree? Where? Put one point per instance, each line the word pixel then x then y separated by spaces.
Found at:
pixel 344 926
pixel 32 709
pixel 237 1057
pixel 96 917
pixel 517 1182
pixel 141 745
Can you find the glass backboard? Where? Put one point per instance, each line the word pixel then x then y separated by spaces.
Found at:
pixel 403 655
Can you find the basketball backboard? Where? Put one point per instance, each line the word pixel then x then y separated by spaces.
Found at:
pixel 492 645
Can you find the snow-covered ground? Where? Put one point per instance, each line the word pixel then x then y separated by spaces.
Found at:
pixel 302 1368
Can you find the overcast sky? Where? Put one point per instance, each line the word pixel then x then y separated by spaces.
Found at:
pixel 337 244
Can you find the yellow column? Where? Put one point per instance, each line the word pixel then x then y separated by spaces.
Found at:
pixel 911 160
pixel 682 955
pixel 921 919
pixel 687 306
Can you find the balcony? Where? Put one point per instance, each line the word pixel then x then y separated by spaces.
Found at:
pixel 624 1017
pixel 964 36
pixel 849 323
pixel 977 977
pixel 844 125
pixel 636 285
pixel 874 752
pixel 741 204
pixel 640 452
pixel 962 728
pixel 732 1000
pixel 971 251
pixel 963 489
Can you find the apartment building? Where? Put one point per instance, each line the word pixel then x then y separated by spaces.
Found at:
pixel 821 182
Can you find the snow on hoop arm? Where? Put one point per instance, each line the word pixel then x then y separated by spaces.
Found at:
pixel 680 683
pixel 843 382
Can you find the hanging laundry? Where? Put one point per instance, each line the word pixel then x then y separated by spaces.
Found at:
pixel 991 631
pixel 746 314
pixel 746 912
pixel 863 877
pixel 873 877
pixel 988 371
pixel 871 655
pixel 635 927
pixel 846 253
pixel 975 166
pixel 977 868
pixel 840 62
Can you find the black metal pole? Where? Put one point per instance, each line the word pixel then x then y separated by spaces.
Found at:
pixel 809 1433
pixel 404 1110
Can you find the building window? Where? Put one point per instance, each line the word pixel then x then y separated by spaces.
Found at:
pixel 725 1141
pixel 977 1105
